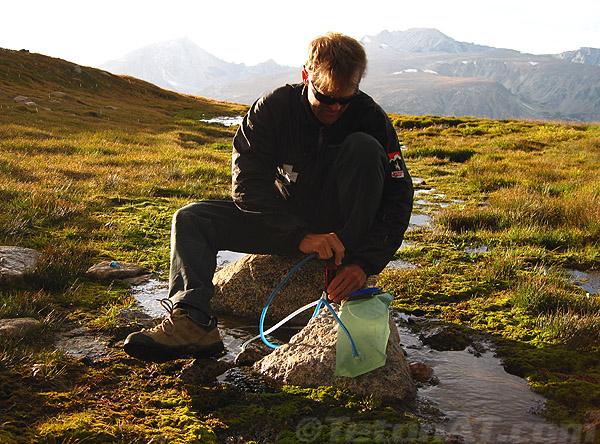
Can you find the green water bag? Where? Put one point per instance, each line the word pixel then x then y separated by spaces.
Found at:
pixel 367 320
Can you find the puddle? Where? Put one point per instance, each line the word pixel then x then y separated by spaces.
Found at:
pixel 226 257
pixel 588 281
pixel 419 220
pixel 478 249
pixel 398 264
pixel 426 192
pixel 480 401
pixel 225 120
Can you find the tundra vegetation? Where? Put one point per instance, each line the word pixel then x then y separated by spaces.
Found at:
pixel 93 166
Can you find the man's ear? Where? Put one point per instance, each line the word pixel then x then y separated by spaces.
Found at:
pixel 304 77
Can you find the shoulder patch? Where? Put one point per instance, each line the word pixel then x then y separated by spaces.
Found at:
pixel 396 165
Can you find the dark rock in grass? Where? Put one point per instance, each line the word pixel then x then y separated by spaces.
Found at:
pixel 242 288
pixel 444 338
pixel 252 353
pixel 203 371
pixel 114 270
pixel 16 262
pixel 17 328
pixel 309 360
pixel 84 343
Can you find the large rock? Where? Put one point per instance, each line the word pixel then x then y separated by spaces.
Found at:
pixel 308 360
pixel 242 288
pixel 16 262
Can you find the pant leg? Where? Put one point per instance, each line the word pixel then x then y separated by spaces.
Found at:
pixel 353 188
pixel 199 231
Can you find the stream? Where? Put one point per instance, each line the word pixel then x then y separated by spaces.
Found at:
pixel 478 400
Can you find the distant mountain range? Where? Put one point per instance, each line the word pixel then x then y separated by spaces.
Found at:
pixel 415 72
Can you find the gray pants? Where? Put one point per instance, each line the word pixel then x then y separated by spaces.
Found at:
pixel 347 205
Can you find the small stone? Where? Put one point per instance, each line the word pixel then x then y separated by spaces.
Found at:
pixel 83 343
pixel 18 327
pixel 420 371
pixel 114 270
pixel 445 338
pixel 251 354
pixel 139 280
pixel 19 99
pixel 16 262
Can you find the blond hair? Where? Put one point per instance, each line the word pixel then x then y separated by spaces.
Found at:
pixel 336 62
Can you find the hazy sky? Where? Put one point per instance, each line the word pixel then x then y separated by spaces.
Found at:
pixel 253 31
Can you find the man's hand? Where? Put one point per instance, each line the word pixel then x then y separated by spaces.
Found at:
pixel 348 279
pixel 325 245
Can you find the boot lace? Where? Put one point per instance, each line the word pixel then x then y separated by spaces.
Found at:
pixel 167 325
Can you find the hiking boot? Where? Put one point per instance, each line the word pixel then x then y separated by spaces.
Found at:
pixel 178 336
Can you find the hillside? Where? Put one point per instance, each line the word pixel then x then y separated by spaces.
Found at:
pixel 37 88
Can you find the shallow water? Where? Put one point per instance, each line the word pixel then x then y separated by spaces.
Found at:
pixel 588 281
pixel 479 400
pixel 225 120
pixel 419 220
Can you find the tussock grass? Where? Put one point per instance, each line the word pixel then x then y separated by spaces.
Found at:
pixel 96 170
pixel 529 194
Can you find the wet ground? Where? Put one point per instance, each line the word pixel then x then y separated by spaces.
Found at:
pixel 477 398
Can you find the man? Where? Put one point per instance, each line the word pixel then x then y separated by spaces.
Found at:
pixel 316 168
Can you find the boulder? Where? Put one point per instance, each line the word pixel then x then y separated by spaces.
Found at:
pixel 114 270
pixel 242 288
pixel 308 360
pixel 18 327
pixel 15 262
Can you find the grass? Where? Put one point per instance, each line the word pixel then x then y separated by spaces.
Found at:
pixel 96 172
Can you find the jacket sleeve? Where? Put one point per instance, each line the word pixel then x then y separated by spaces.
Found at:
pixel 254 166
pixel 391 221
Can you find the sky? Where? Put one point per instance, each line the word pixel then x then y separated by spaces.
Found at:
pixel 253 31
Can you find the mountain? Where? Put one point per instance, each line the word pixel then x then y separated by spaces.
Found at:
pixel 416 72
pixel 421 40
pixel 590 56
pixel 182 66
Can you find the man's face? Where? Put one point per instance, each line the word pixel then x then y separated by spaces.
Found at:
pixel 327 113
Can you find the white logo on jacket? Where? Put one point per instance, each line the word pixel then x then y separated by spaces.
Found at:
pixel 288 172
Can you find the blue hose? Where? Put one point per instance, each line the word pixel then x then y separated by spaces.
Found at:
pixel 321 302
pixel 283 281
pixel 339 321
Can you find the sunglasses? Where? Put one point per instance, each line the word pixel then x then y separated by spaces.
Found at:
pixel 328 100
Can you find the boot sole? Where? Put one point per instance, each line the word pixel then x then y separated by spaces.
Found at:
pixel 156 353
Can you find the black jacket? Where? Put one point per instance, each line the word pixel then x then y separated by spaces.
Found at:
pixel 280 130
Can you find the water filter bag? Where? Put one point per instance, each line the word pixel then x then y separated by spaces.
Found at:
pixel 367 320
